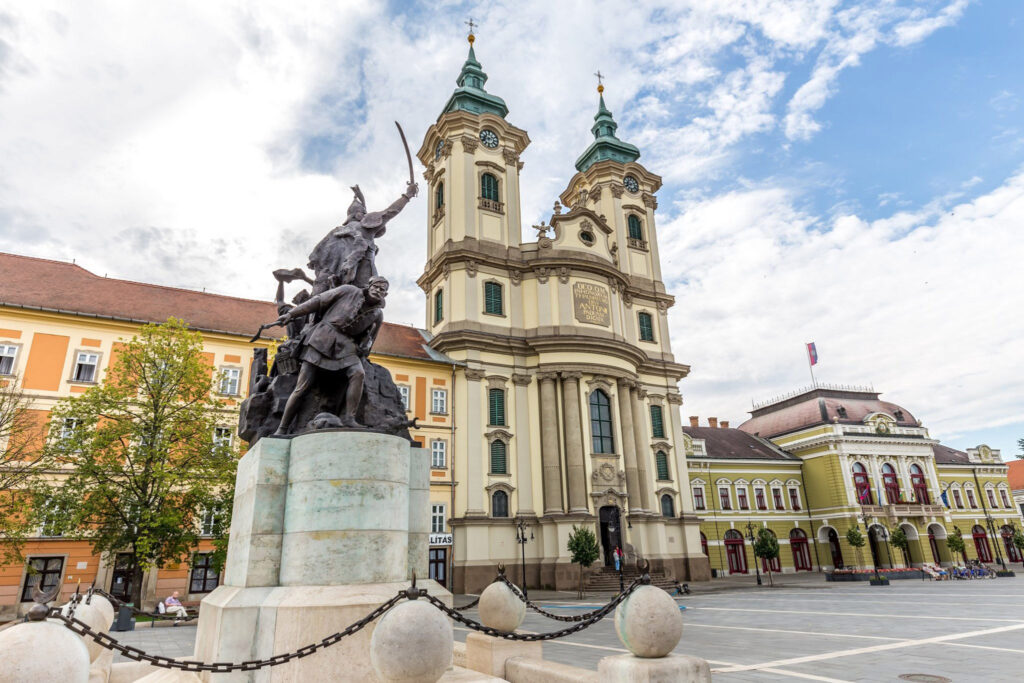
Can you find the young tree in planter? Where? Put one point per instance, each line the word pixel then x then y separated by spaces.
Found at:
pixel 899 539
pixel 21 453
pixel 1018 541
pixel 139 453
pixel 856 539
pixel 955 543
pixel 583 550
pixel 766 547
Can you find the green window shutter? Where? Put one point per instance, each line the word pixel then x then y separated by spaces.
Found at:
pixel 439 196
pixel 646 325
pixel 498 457
pixel 657 424
pixel 601 423
pixel 439 306
pixel 661 461
pixel 489 187
pixel 496 407
pixel 636 230
pixel 492 298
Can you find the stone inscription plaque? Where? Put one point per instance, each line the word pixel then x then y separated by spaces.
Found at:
pixel 591 303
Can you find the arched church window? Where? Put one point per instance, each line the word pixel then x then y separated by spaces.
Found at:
pixel 668 508
pixel 438 305
pixel 892 484
pixel 919 484
pixel 499 504
pixel 439 196
pixel 661 464
pixel 862 484
pixel 499 457
pixel 489 187
pixel 601 422
pixel 636 228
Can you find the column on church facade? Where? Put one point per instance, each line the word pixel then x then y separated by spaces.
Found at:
pixel 550 461
pixel 641 443
pixel 474 455
pixel 629 445
pixel 574 454
pixel 524 466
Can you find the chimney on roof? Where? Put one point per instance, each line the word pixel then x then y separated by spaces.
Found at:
pixel 713 422
pixel 725 424
pixel 695 421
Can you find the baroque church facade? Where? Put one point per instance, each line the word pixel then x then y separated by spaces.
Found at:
pixel 566 389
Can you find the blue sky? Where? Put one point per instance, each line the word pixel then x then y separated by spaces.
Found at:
pixel 850 173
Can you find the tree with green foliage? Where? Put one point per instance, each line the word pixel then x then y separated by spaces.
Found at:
pixel 898 538
pixel 21 454
pixel 856 539
pixel 1018 540
pixel 955 543
pixel 1020 447
pixel 766 547
pixel 140 458
pixel 583 550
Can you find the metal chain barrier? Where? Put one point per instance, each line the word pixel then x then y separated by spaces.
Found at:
pixel 470 605
pixel 539 610
pixel 138 655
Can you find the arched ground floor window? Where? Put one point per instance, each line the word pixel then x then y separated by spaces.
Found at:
pixel 981 544
pixel 801 551
pixel 835 548
pixel 736 552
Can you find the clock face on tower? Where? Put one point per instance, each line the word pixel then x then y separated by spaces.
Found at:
pixel 489 138
pixel 631 184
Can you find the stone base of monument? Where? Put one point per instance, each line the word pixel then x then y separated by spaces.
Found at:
pixel 633 669
pixel 326 527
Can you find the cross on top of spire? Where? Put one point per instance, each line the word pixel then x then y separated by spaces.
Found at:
pixel 472 25
pixel 600 80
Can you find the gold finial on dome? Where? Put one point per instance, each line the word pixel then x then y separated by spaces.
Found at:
pixel 600 77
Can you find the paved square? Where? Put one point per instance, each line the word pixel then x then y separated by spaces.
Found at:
pixel 803 630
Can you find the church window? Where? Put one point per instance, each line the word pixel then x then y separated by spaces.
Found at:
pixel 499 504
pixel 646 324
pixel 668 508
pixel 439 196
pixel 489 187
pixel 657 423
pixel 601 422
pixel 499 457
pixel 496 407
pixel 493 303
pixel 661 463
pixel 439 306
pixel 636 229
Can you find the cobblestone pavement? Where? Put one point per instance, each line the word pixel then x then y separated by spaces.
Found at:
pixel 803 629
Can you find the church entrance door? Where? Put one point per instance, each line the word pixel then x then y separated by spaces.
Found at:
pixel 611 533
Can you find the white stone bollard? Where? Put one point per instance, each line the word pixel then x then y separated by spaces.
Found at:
pixel 412 643
pixel 42 650
pixel 106 609
pixel 93 616
pixel 649 623
pixel 500 608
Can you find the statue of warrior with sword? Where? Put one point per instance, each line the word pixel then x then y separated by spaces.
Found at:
pixel 339 320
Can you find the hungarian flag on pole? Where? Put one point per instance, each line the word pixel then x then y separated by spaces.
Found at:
pixel 812 354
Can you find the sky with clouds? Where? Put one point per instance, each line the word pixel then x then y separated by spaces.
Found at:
pixel 848 173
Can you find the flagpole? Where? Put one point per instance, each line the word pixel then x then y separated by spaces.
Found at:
pixel 810 363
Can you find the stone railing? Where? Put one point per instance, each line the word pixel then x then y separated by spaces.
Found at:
pixel 492 205
pixel 635 243
pixel 439 213
pixel 902 510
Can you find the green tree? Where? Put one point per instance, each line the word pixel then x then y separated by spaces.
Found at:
pixel 899 539
pixel 856 539
pixel 1020 447
pixel 1018 540
pixel 140 460
pixel 766 547
pixel 955 543
pixel 21 454
pixel 583 550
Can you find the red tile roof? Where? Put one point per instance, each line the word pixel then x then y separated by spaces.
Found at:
pixel 36 283
pixel 1016 475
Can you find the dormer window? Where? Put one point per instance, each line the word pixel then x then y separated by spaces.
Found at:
pixel 899 415
pixel 841 412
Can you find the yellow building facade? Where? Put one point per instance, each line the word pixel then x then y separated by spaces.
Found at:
pixel 60 327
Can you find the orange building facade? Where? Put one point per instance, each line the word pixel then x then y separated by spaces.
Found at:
pixel 60 326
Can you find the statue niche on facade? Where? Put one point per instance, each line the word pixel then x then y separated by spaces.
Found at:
pixel 321 376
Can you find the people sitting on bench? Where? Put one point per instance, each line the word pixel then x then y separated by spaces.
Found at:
pixel 173 606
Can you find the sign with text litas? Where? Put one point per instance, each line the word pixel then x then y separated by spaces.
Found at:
pixel 440 539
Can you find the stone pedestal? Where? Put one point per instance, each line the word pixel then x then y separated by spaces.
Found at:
pixel 670 669
pixel 487 654
pixel 326 526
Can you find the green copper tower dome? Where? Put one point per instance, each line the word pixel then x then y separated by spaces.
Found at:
pixel 605 144
pixel 470 95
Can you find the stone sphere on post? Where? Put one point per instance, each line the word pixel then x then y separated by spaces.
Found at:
pixel 500 608
pixel 105 607
pixel 649 623
pixel 93 616
pixel 43 651
pixel 412 643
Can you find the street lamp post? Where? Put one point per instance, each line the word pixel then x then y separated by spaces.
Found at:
pixel 521 539
pixel 750 534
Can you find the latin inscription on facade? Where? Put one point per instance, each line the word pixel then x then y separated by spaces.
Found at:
pixel 591 303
